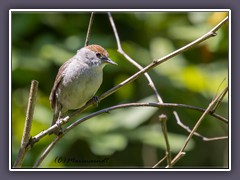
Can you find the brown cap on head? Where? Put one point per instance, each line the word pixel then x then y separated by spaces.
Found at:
pixel 97 48
pixel 102 52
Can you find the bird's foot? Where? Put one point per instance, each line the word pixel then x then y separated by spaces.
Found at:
pixel 58 131
pixel 95 100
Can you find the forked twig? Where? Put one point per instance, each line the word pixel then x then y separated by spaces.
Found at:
pixel 212 103
pixel 121 51
pixel 196 133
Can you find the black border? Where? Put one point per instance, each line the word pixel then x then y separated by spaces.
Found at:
pixel 221 4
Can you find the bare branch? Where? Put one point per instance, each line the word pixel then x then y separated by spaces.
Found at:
pixel 121 51
pixel 215 29
pixel 179 156
pixel 46 151
pixel 163 119
pixel 218 102
pixel 195 133
pixel 28 123
pixel 159 162
pixel 158 105
pixel 197 124
pixel 89 29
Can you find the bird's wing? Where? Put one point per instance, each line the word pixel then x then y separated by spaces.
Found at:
pixel 58 79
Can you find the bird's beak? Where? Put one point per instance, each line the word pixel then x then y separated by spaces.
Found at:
pixel 108 60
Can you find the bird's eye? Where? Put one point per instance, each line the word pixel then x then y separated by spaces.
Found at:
pixel 98 55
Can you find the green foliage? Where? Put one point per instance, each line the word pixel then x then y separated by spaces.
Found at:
pixel 42 41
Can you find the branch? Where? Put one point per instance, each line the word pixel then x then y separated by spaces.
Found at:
pixel 179 156
pixel 163 119
pixel 195 133
pixel 152 104
pixel 120 50
pixel 28 124
pixel 197 124
pixel 89 29
pixel 47 150
pixel 160 161
pixel 218 102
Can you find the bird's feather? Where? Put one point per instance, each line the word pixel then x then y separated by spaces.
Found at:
pixel 58 79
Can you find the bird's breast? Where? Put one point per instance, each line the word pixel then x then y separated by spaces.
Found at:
pixel 79 85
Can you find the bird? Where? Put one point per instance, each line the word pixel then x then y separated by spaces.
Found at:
pixel 77 80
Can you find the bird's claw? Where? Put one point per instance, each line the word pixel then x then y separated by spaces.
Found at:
pixel 95 100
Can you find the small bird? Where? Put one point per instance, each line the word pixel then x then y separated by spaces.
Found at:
pixel 78 80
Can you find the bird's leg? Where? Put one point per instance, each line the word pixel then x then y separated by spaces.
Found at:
pixel 58 114
pixel 58 123
pixel 95 100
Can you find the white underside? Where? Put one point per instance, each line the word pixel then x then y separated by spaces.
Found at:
pixel 78 86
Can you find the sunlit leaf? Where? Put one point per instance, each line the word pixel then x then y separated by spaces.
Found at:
pixel 107 144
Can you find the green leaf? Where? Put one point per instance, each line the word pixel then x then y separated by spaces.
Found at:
pixel 107 144
pixel 130 118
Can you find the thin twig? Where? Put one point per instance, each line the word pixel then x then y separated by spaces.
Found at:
pixel 46 151
pixel 160 161
pixel 179 156
pixel 28 123
pixel 163 119
pixel 215 138
pixel 218 102
pixel 179 122
pixel 197 125
pixel 159 105
pixel 89 29
pixel 152 104
pixel 121 51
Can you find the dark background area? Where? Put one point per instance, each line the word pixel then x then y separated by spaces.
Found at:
pixel 132 137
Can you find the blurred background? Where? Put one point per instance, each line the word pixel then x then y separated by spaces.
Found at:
pixel 130 137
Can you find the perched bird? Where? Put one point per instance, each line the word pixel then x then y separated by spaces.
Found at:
pixel 78 80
